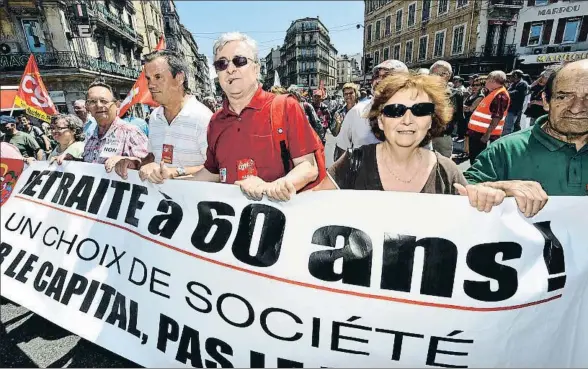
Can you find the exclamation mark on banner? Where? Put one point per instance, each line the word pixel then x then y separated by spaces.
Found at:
pixel 553 255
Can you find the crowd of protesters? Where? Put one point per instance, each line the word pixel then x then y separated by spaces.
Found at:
pixel 397 136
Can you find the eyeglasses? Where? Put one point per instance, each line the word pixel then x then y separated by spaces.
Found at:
pixel 238 61
pixel 58 129
pixel 418 110
pixel 99 101
pixel 349 93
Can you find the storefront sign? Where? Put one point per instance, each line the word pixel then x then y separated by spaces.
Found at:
pixel 554 57
pixel 559 10
pixel 57 96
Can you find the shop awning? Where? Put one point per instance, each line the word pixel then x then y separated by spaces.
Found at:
pixel 553 57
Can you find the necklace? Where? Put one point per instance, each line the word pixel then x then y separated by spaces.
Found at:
pixel 406 181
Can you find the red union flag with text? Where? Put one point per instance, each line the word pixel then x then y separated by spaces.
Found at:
pixel 32 94
pixel 140 94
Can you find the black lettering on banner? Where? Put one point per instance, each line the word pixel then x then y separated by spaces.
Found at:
pixel 70 243
pixel 5 250
pixel 356 254
pixel 26 268
pixel 118 312
pixel 29 181
pixel 49 184
pixel 270 241
pixel 481 259
pixel 135 204
pixel 63 189
pixel 189 347
pixel 216 348
pixel 133 318
pixel 99 196
pixel 158 281
pixel 190 287
pixel 165 225
pixel 29 224
pixel 132 272
pixel 76 286
pixel 85 306
pixel 398 338
pixel 11 270
pixel 168 330
pixel 45 236
pixel 206 222
pixel 81 193
pixel 92 255
pixel 263 320
pixel 116 259
pixel 433 350
pixel 336 336
pixel 257 360
pixel 439 267
pixel 316 331
pixel 13 229
pixel 119 192
pixel 250 311
pixel 104 301
pixel 553 255
pixel 55 288
pixel 45 270
pixel 34 181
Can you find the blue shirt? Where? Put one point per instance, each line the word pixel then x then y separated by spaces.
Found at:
pixel 139 123
pixel 90 126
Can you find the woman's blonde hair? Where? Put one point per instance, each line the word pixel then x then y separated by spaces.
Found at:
pixel 278 90
pixel 433 86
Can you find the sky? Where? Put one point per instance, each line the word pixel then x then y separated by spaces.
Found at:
pixel 267 22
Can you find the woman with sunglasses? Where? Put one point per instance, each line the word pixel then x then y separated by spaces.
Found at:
pixel 68 131
pixel 407 112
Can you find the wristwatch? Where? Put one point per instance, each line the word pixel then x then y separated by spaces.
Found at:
pixel 181 171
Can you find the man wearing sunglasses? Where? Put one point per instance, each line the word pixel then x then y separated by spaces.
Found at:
pixel 241 146
pixel 355 129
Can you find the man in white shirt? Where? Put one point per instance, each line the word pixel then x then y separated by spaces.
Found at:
pixel 356 130
pixel 177 129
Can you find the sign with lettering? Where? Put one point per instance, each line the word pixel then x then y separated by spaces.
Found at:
pixel 189 274
pixel 565 10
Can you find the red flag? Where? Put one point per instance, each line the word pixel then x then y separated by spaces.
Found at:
pixel 322 88
pixel 140 94
pixel 32 94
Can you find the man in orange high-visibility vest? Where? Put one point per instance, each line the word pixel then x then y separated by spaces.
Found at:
pixel 488 119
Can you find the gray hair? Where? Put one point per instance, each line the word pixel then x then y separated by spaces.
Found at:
pixel 174 61
pixel 497 76
pixel 423 71
pixel 74 124
pixel 441 64
pixel 225 38
pixel 81 101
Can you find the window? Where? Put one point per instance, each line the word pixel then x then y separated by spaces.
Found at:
pixel 34 35
pixel 457 44
pixel 398 20
pixel 571 30
pixel 535 34
pixel 426 10
pixel 411 14
pixel 396 53
pixel 443 7
pixel 541 2
pixel 408 52
pixel 461 3
pixel 423 44
pixel 369 33
pixel 377 30
pixel 386 53
pixel 376 58
pixel 438 50
pixel 388 25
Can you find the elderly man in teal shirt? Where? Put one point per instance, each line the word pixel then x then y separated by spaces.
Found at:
pixel 551 158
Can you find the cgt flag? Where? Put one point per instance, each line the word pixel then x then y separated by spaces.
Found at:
pixel 140 94
pixel 32 94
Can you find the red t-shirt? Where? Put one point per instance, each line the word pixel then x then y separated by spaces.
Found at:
pixel 233 137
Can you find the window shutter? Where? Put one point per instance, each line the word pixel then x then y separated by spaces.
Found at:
pixel 583 30
pixel 559 34
pixel 526 31
pixel 531 3
pixel 547 27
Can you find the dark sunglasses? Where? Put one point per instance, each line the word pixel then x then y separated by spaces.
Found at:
pixel 418 110
pixel 223 63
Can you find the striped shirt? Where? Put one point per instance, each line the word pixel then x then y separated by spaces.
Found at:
pixel 186 134
pixel 121 139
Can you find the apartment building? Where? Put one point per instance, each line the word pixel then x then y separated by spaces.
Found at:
pixel 344 70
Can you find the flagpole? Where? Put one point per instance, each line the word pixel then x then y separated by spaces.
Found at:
pixel 12 109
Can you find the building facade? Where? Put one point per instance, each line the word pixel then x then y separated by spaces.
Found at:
pixel 272 64
pixel 307 56
pixel 344 70
pixel 475 36
pixel 68 62
pixel 551 31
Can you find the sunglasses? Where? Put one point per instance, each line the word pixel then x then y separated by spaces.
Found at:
pixel 418 110
pixel 238 61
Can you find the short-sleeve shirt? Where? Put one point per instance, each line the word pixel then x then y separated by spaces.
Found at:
pixel 355 129
pixel 533 155
pixel 233 137
pixel 186 133
pixel 121 139
pixel 499 105
pixel 26 144
pixel 441 179
pixel 76 150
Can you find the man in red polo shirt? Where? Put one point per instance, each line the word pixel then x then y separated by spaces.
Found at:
pixel 240 143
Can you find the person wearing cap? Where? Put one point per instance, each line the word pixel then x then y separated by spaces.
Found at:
pixel 355 129
pixel 458 85
pixel 26 143
pixel 517 91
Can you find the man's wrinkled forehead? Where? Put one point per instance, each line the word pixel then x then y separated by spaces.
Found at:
pixel 234 48
pixel 573 79
pixel 99 92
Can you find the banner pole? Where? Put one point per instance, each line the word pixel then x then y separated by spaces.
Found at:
pixel 12 109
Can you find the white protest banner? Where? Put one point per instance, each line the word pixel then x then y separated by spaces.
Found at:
pixel 194 274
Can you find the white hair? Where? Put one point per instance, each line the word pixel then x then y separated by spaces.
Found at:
pixel 225 38
pixel 441 64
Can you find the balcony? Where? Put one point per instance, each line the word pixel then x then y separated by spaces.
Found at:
pixel 499 50
pixel 515 4
pixel 114 22
pixel 65 60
